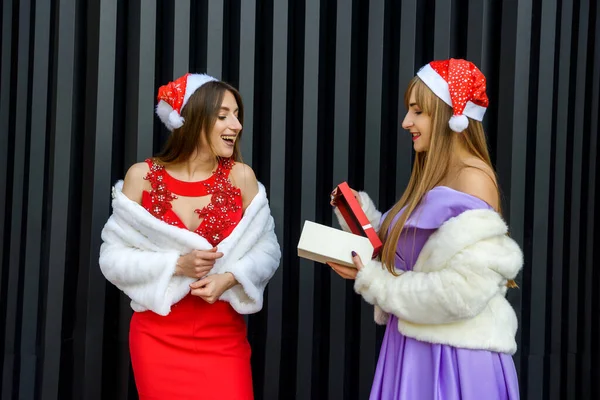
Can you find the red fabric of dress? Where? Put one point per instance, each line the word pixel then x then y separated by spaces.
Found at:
pixel 199 350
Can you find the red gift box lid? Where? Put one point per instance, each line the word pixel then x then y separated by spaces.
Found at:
pixel 355 217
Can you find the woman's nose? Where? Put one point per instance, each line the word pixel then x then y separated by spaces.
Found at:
pixel 406 124
pixel 236 124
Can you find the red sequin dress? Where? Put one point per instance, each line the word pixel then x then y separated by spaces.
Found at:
pixel 199 350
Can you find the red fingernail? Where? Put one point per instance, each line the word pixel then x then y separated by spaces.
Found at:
pixel 353 254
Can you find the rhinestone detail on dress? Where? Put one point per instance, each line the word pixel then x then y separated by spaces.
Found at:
pixel 217 216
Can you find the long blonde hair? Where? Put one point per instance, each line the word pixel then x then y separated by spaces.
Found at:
pixel 430 167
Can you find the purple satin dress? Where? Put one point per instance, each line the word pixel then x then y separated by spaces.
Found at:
pixel 412 370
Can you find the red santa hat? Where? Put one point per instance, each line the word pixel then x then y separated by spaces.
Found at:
pixel 461 85
pixel 174 95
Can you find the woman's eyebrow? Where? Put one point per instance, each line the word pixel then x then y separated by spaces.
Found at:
pixel 227 109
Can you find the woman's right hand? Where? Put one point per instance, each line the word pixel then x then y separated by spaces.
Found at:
pixel 334 196
pixel 197 263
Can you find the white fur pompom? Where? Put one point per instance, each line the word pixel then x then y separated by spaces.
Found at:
pixel 163 109
pixel 168 116
pixel 175 120
pixel 458 123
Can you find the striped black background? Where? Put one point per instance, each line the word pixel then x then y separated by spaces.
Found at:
pixel 323 83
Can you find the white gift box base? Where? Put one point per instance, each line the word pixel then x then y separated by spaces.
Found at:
pixel 322 243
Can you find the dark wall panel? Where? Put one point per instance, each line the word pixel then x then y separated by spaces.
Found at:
pixel 307 186
pixel 323 86
pixel 558 239
pixel 35 198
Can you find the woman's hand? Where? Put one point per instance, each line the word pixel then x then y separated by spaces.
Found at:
pixel 210 288
pixel 197 263
pixel 334 195
pixel 348 272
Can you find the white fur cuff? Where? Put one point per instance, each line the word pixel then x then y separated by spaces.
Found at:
pixel 380 316
pixel 371 281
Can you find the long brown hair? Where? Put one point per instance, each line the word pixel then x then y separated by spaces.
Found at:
pixel 430 167
pixel 200 114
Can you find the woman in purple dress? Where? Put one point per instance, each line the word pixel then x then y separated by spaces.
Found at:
pixel 447 260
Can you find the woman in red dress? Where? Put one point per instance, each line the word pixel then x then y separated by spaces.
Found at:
pixel 191 242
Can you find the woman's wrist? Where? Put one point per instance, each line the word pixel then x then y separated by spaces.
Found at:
pixel 231 281
pixel 178 269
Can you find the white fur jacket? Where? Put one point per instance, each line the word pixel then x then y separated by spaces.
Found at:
pixel 455 294
pixel 139 255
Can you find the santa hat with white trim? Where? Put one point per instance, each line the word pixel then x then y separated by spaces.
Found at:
pixel 461 85
pixel 174 95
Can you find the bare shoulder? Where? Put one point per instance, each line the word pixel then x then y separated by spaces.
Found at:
pixel 244 178
pixel 478 179
pixel 134 183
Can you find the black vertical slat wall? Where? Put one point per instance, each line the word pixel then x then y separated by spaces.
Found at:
pixel 323 85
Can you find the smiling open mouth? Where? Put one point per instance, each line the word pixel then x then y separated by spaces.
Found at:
pixel 229 139
pixel 415 135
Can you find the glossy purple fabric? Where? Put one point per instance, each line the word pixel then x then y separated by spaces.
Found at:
pixel 412 370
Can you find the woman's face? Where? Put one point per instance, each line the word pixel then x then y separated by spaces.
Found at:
pixel 418 124
pixel 226 129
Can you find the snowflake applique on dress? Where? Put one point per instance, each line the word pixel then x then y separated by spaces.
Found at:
pixel 225 201
pixel 219 216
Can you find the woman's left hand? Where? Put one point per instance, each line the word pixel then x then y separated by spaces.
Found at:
pixel 211 287
pixel 348 272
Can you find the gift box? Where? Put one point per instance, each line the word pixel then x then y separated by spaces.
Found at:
pixel 324 244
pixel 355 217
